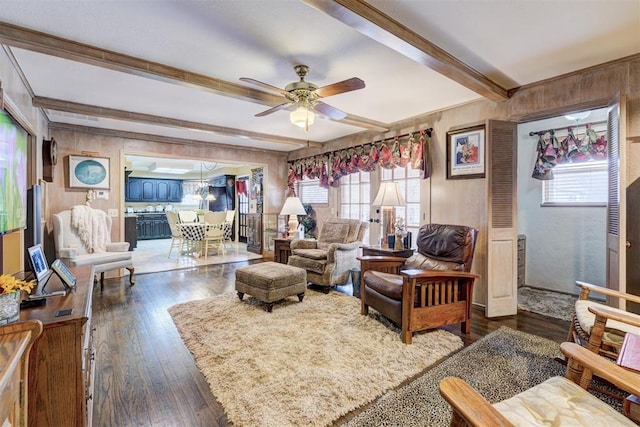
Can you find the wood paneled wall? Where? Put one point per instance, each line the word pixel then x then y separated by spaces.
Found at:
pixel 464 201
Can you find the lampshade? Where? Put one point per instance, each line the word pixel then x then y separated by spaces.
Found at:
pixel 293 206
pixel 302 117
pixel 389 194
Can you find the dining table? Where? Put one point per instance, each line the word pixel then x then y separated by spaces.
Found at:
pixel 195 234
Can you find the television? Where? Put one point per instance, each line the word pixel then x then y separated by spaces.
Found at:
pixel 13 170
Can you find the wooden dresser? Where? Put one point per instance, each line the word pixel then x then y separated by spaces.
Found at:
pixel 61 361
pixel 16 340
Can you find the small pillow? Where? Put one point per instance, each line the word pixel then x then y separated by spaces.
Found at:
pixel 117 247
pixel 311 253
pixel 68 253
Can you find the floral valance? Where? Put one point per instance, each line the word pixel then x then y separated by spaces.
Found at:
pixel 571 149
pixel 412 149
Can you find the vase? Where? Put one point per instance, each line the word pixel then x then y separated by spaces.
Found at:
pixel 9 307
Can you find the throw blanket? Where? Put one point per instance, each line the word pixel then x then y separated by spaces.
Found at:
pixel 91 226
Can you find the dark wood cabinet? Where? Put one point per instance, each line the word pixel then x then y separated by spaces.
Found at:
pixel 131 231
pixel 281 250
pixel 152 226
pixel 153 190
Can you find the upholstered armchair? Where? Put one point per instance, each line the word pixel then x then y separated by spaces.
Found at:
pixel 329 259
pixel 82 236
pixel 432 288
pixel 557 401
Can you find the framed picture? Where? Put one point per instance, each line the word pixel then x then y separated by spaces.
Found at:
pixel 466 153
pixel 89 172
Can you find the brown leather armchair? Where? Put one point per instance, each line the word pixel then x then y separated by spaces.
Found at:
pixel 434 287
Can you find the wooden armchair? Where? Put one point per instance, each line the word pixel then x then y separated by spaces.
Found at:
pixel 599 327
pixel 557 401
pixel 432 288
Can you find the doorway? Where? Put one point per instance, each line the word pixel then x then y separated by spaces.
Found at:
pixel 562 215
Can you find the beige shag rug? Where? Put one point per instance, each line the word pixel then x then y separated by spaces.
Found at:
pixel 303 364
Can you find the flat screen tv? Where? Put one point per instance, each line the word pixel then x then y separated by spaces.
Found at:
pixel 13 173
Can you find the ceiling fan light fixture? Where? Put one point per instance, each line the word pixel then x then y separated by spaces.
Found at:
pixel 302 117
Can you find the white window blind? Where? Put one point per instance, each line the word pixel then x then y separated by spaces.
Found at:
pixel 309 191
pixel 577 184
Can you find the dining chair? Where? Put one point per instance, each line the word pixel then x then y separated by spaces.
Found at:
pixel 188 216
pixel 177 237
pixel 228 226
pixel 214 231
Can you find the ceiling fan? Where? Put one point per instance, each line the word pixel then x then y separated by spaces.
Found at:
pixel 304 97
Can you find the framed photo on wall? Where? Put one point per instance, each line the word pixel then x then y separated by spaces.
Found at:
pixel 89 172
pixel 466 153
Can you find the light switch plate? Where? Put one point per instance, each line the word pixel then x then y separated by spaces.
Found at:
pixel 113 212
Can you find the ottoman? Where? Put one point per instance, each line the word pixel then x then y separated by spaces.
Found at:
pixel 270 282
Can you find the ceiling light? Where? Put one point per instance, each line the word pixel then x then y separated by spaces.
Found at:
pixel 578 116
pixel 168 168
pixel 302 117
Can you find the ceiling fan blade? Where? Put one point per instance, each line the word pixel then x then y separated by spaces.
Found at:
pixel 348 85
pixel 274 109
pixel 264 85
pixel 329 111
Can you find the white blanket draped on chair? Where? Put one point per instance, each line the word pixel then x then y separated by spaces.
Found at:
pixel 91 227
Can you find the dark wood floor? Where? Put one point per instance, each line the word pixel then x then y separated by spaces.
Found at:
pixel 146 377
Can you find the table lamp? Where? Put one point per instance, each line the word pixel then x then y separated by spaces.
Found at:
pixel 292 207
pixel 389 196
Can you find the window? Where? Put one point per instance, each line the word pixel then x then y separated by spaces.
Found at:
pixel 309 191
pixel 409 181
pixel 355 198
pixel 577 184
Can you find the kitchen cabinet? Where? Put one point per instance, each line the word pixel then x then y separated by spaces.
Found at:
pixel 153 190
pixel 152 226
pixel 131 231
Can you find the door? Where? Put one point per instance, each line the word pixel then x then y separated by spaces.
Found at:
pixel 617 204
pixel 502 228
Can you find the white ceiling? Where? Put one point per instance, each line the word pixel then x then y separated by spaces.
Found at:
pixel 512 42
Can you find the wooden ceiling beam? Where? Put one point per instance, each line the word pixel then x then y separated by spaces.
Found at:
pixel 110 113
pixel 380 27
pixel 36 41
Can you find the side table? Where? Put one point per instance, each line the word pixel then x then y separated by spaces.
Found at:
pixel 281 250
pixel 378 251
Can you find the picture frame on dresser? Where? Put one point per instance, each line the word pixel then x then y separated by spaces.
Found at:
pixel 89 172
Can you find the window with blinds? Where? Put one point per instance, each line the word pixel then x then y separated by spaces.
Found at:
pixel 309 191
pixel 577 184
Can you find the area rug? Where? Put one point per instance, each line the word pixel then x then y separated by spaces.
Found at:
pixel 548 303
pixel 305 363
pixel 499 366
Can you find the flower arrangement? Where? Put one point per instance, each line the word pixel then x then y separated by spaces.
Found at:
pixel 9 284
pixel 399 225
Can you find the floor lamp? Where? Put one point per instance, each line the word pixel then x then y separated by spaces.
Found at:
pixel 389 196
